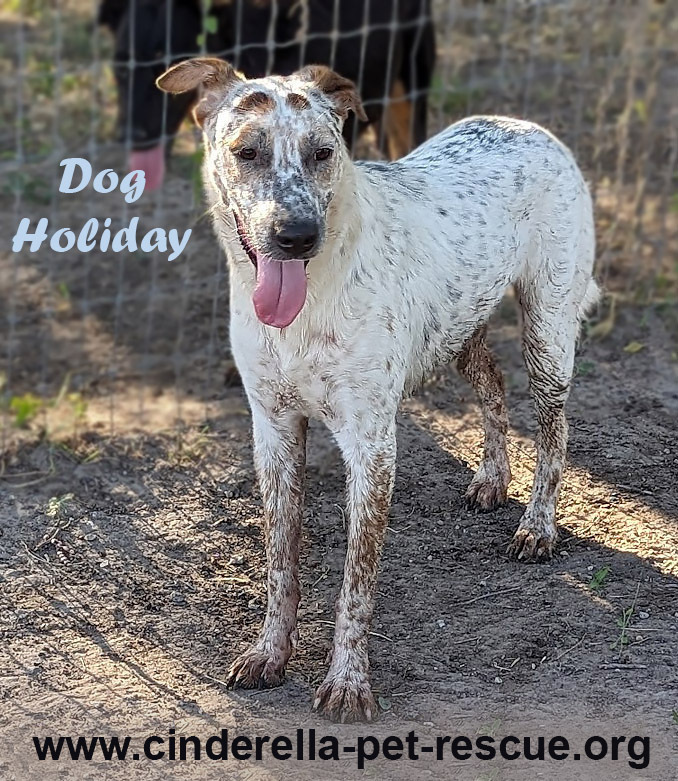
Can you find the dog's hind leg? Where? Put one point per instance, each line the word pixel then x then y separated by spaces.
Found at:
pixel 554 290
pixel 549 337
pixel 279 458
pixel 477 365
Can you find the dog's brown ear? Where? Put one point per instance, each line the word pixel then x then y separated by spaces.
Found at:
pixel 342 92
pixel 212 76
pixel 208 72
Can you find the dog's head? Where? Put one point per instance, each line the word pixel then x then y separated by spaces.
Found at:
pixel 276 153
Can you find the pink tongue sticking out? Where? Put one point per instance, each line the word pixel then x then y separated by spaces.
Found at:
pixel 152 163
pixel 280 292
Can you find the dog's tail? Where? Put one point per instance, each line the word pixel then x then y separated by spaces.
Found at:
pixel 591 298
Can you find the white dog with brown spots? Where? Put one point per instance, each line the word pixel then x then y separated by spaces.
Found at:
pixel 349 282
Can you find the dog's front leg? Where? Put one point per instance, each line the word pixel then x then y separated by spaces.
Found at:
pixel 345 694
pixel 280 459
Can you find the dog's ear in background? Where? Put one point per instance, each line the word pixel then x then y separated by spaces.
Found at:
pixel 111 12
pixel 342 92
pixel 213 77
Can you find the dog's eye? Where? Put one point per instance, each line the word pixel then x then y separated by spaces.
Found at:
pixel 247 153
pixel 324 153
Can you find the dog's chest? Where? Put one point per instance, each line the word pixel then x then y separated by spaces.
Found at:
pixel 304 377
pixel 327 377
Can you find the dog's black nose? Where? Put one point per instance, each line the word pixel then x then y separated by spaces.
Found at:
pixel 297 239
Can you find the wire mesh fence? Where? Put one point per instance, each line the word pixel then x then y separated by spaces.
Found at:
pixel 114 336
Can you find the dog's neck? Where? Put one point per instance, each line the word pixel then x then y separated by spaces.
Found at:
pixel 344 218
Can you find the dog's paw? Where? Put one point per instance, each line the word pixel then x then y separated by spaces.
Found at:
pixel 489 487
pixel 256 669
pixel 346 698
pixel 485 494
pixel 534 540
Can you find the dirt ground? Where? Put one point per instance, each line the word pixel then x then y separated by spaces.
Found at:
pixel 132 567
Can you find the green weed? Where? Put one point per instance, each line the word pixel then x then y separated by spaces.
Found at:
pixel 25 408
pixel 598 579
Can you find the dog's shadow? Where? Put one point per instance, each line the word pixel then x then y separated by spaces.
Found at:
pixel 430 534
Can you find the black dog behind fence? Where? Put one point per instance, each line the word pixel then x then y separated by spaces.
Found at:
pixel 387 48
